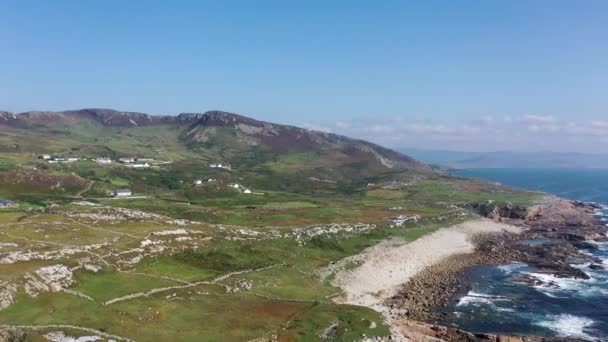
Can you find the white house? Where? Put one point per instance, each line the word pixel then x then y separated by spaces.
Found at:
pixel 45 156
pixel 126 160
pixel 220 166
pixel 236 186
pixel 201 181
pixel 247 191
pixel 6 203
pixel 139 165
pixel 103 160
pixel 122 193
pixel 53 160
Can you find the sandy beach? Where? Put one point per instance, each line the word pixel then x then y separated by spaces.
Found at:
pixel 384 268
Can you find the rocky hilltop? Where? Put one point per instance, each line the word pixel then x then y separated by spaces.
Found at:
pixel 279 137
pixel 259 147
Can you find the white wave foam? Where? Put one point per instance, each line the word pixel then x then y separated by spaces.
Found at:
pixel 476 298
pixel 553 286
pixel 566 325
pixel 512 267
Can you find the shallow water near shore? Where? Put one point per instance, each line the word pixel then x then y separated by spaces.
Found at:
pixel 563 307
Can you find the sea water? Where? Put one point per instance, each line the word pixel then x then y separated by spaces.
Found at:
pixel 563 307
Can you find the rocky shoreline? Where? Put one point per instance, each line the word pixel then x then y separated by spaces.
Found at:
pixel 565 227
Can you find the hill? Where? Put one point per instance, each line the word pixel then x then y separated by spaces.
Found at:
pixel 251 248
pixel 269 155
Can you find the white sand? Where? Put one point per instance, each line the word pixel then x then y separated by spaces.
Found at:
pixel 387 266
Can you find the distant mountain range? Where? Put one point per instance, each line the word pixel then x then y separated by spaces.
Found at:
pixel 508 159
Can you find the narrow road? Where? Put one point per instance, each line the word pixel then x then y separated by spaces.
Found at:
pixel 86 188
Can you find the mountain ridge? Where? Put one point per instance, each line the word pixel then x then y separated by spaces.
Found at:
pixel 260 149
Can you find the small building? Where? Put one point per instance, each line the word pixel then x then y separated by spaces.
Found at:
pixel 236 186
pixel 44 156
pixel 126 160
pixel 247 191
pixel 72 159
pixel 6 203
pixel 220 166
pixel 201 181
pixel 103 160
pixel 144 159
pixel 139 165
pixel 122 193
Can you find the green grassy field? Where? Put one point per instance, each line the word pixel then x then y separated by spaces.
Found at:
pixel 240 267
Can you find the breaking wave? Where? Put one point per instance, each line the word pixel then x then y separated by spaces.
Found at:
pixel 566 325
pixel 476 298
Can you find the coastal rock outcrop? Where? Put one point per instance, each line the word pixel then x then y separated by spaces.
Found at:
pixel 555 233
pixel 495 211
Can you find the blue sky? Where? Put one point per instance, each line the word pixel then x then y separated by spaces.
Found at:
pixel 444 65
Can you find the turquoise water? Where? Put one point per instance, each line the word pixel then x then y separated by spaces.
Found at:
pixel 568 307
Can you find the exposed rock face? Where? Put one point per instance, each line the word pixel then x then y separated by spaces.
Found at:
pixel 57 277
pixel 534 213
pixel 422 332
pixel 12 335
pixel 48 279
pixel 426 295
pixel 7 294
pixel 497 212
pixel 34 286
pixel 250 133
pixel 189 118
pixel 247 135
pixel 7 118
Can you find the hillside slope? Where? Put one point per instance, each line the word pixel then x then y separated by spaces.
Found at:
pixel 266 154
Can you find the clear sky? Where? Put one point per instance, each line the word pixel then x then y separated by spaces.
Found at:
pixel 403 73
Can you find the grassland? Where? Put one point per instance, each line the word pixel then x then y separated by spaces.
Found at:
pixel 224 284
pixel 203 263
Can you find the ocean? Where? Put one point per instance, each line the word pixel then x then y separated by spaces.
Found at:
pixel 562 307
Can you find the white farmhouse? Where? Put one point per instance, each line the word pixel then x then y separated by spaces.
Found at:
pixel 126 160
pixel 103 160
pixel 139 165
pixel 122 193
pixel 220 166
pixel 6 203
